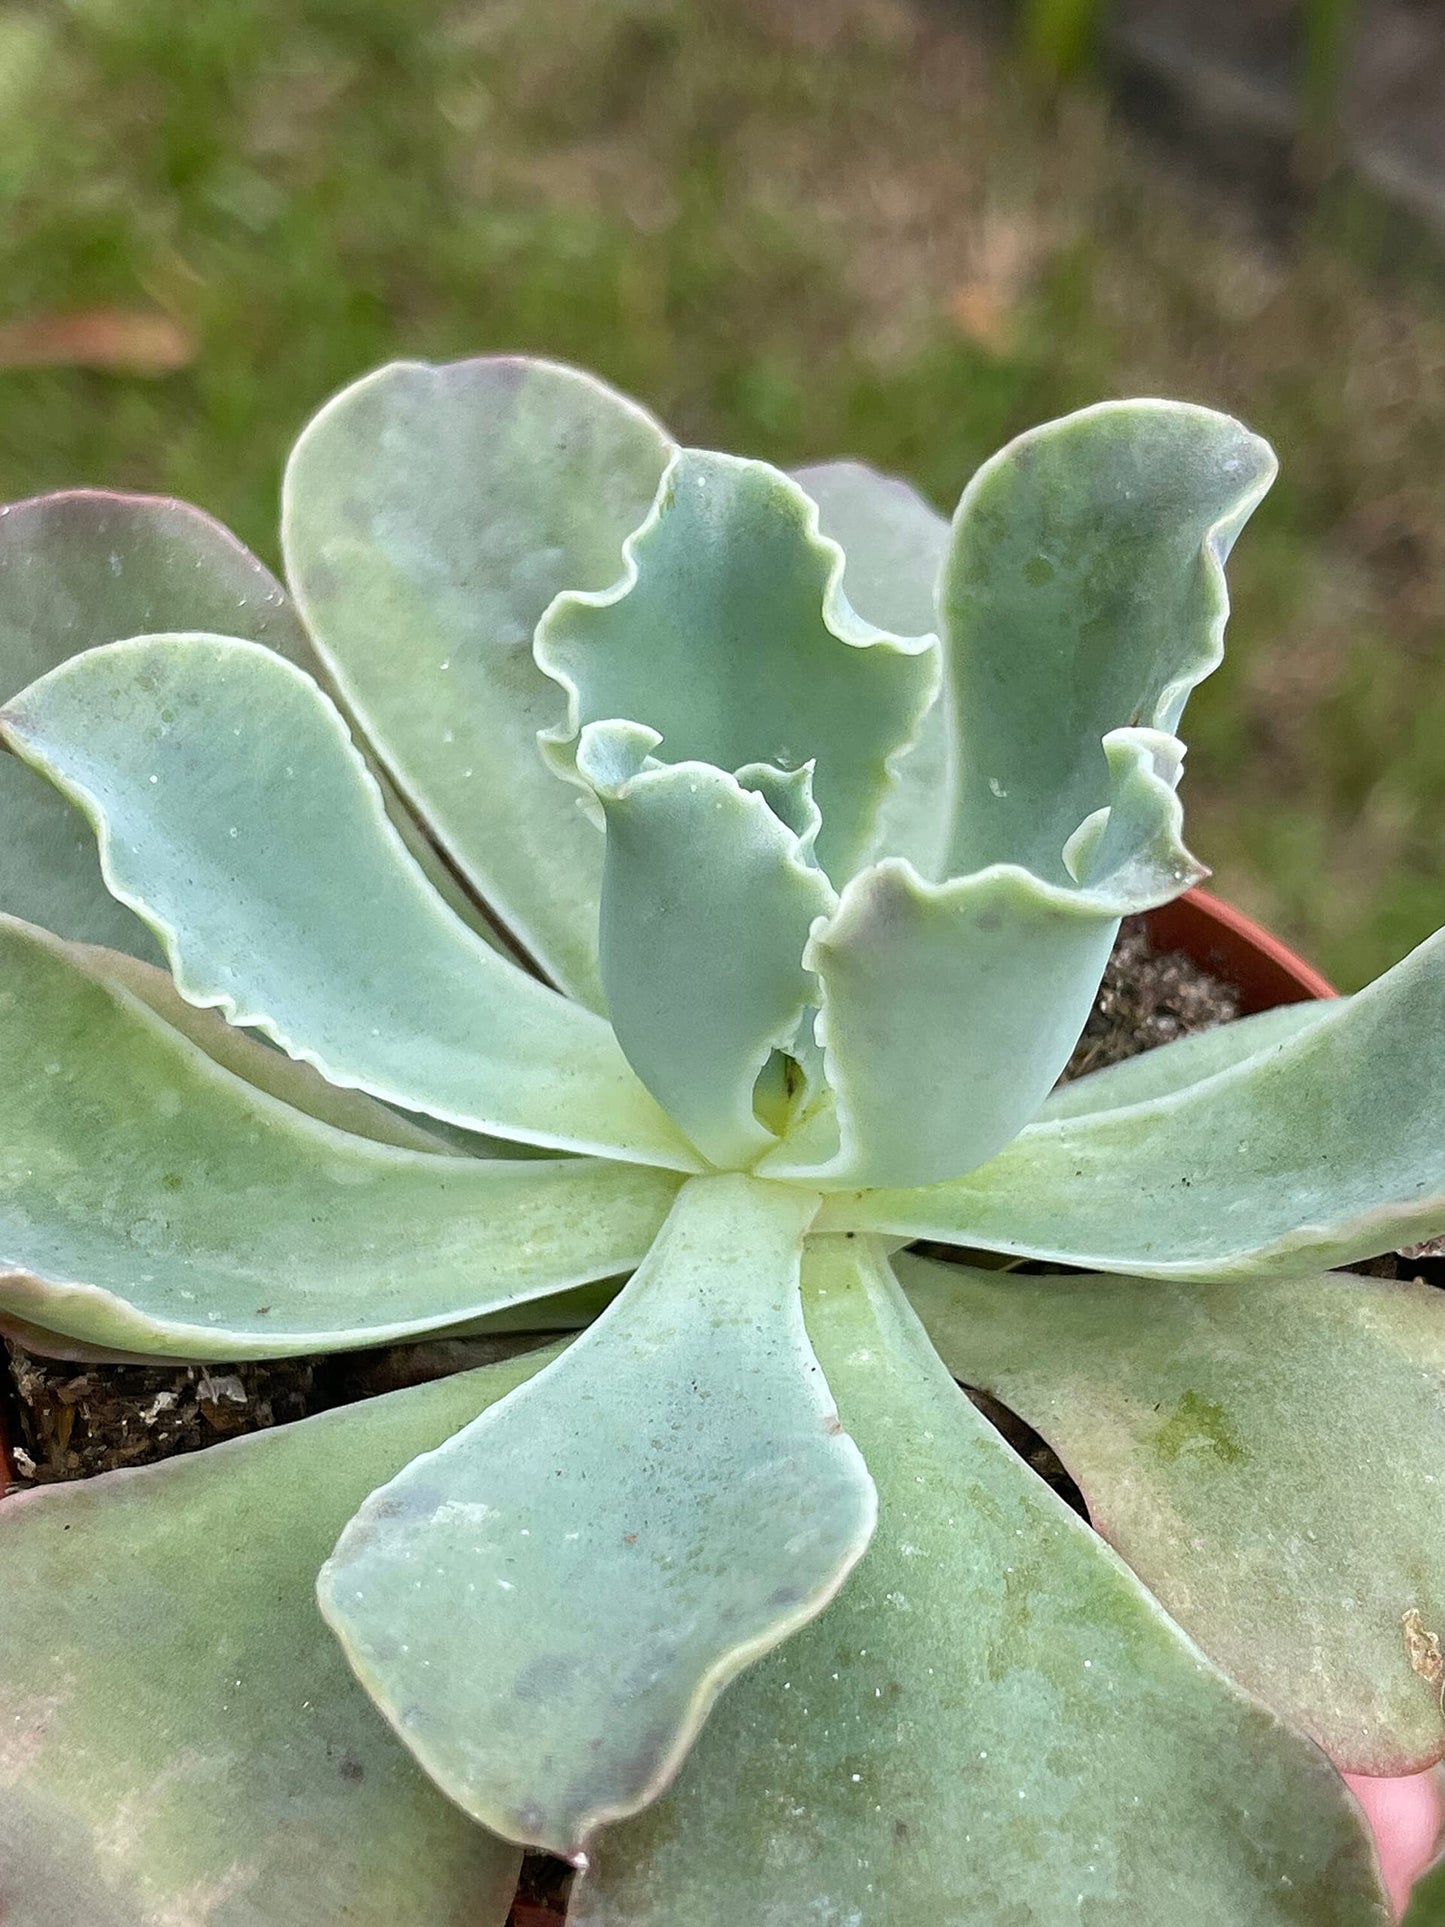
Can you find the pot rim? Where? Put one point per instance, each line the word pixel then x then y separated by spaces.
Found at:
pixel 1236 949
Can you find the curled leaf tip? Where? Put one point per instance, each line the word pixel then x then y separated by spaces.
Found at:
pixel 729 632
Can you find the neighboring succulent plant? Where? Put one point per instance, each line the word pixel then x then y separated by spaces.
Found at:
pixel 846 893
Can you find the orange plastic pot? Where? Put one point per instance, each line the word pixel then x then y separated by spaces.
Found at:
pixel 1232 947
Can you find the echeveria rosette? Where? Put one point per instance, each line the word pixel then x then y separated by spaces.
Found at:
pixel 850 805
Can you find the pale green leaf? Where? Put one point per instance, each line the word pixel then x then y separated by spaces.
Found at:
pixel 1184 1063
pixel 1328 1148
pixel 152 1202
pixel 729 635
pixel 1083 593
pixel 180 1740
pixel 894 543
pixel 707 899
pixel 605 1551
pixel 993 1722
pixel 1268 1456
pixel 236 816
pixel 87 567
pixel 949 1010
pixel 294 1082
pixel 429 516
pixel 562 1311
pixel 1082 598
pixel 297 1084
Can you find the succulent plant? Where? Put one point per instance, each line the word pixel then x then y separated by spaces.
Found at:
pixel 655 867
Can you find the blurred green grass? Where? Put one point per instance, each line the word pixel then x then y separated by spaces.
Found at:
pixel 798 227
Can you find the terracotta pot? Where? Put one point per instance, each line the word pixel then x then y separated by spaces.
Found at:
pixel 1233 947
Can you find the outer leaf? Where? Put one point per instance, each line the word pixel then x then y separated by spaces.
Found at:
pixel 1229 1442
pixel 563 1311
pixel 235 815
pixel 294 1083
pixel 82 568
pixel 1327 1149
pixel 1083 593
pixel 429 516
pixel 1184 1063
pixel 1002 965
pixel 994 1722
pixel 894 543
pixel 604 1552
pixel 707 899
pixel 86 567
pixel 298 1084
pixel 152 1202
pixel 729 634
pixel 180 1741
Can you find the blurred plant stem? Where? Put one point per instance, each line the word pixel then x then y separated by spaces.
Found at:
pixel 1059 39
pixel 1329 29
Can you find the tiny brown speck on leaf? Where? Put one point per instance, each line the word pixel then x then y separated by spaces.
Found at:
pixel 1423 1648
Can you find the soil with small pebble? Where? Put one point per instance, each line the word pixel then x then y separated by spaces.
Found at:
pixel 69 1420
pixel 1148 997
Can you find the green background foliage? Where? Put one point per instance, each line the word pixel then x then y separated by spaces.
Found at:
pixel 798 230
